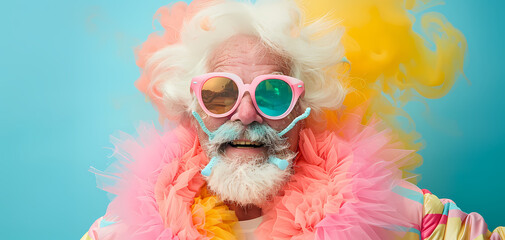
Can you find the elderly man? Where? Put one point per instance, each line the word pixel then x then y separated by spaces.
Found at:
pixel 254 153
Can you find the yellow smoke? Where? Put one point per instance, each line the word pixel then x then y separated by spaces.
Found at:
pixel 390 63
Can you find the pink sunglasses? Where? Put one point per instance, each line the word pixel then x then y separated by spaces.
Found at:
pixel 274 96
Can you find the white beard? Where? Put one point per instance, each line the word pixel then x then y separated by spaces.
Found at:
pixel 253 181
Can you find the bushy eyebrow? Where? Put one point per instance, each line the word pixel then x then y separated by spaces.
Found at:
pixel 277 73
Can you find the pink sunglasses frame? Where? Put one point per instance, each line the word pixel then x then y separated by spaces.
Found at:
pixel 297 89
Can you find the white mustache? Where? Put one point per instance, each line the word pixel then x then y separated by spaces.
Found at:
pixel 254 132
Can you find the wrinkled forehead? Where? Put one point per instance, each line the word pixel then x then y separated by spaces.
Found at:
pixel 245 51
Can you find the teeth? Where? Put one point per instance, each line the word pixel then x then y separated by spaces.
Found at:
pixel 246 143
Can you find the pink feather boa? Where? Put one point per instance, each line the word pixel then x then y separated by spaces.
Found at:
pixel 341 189
pixel 133 179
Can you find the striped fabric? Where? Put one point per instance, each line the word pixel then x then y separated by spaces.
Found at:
pixel 442 219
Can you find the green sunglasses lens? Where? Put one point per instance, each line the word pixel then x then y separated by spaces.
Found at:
pixel 273 97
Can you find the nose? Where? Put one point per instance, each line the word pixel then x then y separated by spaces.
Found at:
pixel 246 112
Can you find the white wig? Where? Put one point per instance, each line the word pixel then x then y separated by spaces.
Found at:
pixel 311 51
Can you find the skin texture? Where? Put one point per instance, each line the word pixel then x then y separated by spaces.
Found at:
pixel 247 57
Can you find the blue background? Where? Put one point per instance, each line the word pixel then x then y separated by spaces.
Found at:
pixel 68 71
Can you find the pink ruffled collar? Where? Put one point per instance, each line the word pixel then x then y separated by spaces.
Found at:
pixel 341 186
pixel 154 181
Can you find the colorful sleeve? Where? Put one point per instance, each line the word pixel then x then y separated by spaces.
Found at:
pixel 442 219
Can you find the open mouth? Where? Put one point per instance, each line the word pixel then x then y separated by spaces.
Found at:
pixel 245 144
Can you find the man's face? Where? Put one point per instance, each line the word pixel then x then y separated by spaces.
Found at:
pixel 246 57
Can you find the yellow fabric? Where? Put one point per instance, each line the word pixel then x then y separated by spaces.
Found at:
pixel 212 218
pixel 408 236
pixel 500 231
pixel 454 226
pixel 86 237
pixel 432 205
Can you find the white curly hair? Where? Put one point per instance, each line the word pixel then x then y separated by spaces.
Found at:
pixel 310 50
